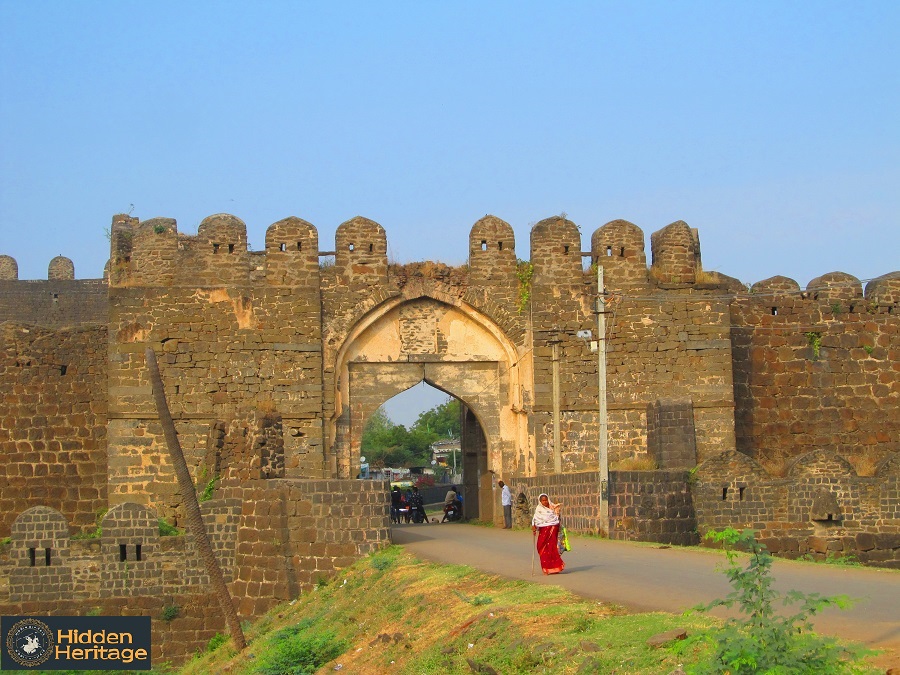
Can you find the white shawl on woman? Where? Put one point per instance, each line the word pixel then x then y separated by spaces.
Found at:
pixel 543 516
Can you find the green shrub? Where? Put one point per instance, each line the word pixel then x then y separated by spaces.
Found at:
pixel 761 640
pixel 170 612
pixel 208 490
pixel 167 530
pixel 216 641
pixel 300 651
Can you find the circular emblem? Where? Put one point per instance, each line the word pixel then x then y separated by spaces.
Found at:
pixel 29 642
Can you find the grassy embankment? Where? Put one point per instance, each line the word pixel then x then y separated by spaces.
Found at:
pixel 392 613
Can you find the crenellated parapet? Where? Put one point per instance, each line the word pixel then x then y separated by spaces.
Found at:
pixel 676 253
pixel 884 290
pixel 61 269
pixel 618 247
pixel 835 286
pixel 9 268
pixel 292 253
pixel 837 289
pixel 360 257
pixel 777 285
pixel 556 251
pixel 492 252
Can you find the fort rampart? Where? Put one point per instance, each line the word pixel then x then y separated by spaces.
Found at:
pixel 273 360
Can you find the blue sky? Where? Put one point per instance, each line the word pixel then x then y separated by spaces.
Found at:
pixel 772 127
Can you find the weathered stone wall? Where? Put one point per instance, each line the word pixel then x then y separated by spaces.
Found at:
pixel 652 506
pixel 53 422
pixel 228 357
pixel 272 538
pixel 817 369
pixel 671 436
pixel 272 362
pixel 578 492
pixel 643 505
pixel 54 304
pixel 243 335
pixel 821 508
pixel 671 345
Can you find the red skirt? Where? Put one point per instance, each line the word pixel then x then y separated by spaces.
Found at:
pixel 548 549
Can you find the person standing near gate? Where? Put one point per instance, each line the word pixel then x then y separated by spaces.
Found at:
pixel 506 502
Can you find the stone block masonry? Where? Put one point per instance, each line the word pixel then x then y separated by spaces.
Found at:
pixel 643 505
pixel 273 539
pixel 273 361
pixel 53 422
pixel 820 509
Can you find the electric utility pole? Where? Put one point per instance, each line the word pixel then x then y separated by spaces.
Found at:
pixel 601 400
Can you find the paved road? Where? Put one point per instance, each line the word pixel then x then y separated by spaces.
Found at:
pixel 645 577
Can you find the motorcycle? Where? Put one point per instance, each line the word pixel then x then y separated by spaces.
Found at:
pixel 452 512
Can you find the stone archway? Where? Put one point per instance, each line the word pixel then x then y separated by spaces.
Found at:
pixel 451 346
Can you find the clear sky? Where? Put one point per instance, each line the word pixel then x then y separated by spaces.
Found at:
pixel 771 127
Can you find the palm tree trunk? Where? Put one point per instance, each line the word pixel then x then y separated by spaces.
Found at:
pixel 191 505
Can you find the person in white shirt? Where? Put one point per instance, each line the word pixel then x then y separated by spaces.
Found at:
pixel 506 501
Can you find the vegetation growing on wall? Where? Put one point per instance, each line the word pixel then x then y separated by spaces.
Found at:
pixel 814 340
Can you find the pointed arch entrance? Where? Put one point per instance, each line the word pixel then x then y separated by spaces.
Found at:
pixel 452 347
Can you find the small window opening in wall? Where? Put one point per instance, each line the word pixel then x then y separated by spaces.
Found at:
pixel 622 252
pixel 31 557
pixel 215 248
pixel 852 308
pixel 351 247
pixel 282 247
pixel 774 311
pixel 566 250
pixel 123 552
pixel 299 245
pixel 47 557
pixel 609 251
pixel 231 248
pixel 741 493
pixel 55 297
pixel 137 552
pixel 371 248
pixel 177 388
pixel 128 258
pixel 63 369
pixel 483 245
pixel 499 245
pixel 724 493
pixel 830 518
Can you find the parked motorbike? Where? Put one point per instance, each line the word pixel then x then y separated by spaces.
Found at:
pixel 452 512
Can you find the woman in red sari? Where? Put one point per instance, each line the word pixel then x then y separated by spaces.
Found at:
pixel 546 525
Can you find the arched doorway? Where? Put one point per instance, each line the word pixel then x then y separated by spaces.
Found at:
pixel 454 348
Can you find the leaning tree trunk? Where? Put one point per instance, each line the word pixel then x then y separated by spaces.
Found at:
pixel 191 505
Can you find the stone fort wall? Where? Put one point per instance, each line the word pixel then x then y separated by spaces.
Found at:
pixel 244 332
pixel 272 539
pixel 249 345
